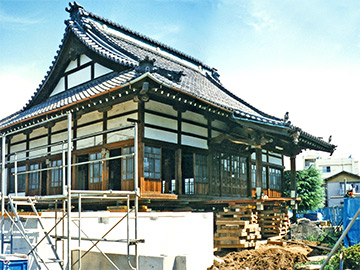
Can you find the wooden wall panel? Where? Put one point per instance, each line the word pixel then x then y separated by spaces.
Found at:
pixel 151 186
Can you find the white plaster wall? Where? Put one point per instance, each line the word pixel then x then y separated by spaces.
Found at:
pixel 60 137
pixel 62 125
pixel 219 124
pixel 166 234
pixel 119 122
pixel 194 117
pixel 84 59
pixel 37 143
pixel 215 133
pixel 60 87
pixel 101 70
pixel 160 135
pixel 186 127
pixel 90 117
pixel 160 107
pixel 38 132
pixel 195 142
pixel 72 65
pixel 18 138
pixel 16 148
pixel 93 141
pixel 122 108
pixel 160 121
pixel 79 77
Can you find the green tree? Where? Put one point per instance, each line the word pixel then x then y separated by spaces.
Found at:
pixel 309 187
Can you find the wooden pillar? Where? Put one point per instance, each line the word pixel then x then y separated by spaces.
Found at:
pixel 141 144
pixel 293 185
pixel 178 153
pixel 178 171
pixel 259 166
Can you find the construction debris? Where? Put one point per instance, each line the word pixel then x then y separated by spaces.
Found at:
pixel 266 257
pixel 304 229
pixel 237 227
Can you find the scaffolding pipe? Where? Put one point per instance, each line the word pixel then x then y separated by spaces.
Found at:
pixel 16 176
pixel 63 169
pixel 137 193
pixel 95 244
pixel 79 210
pixel 69 117
pixel 92 241
pixel 137 189
pixel 3 179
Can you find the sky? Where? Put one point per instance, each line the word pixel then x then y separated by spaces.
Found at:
pixel 301 57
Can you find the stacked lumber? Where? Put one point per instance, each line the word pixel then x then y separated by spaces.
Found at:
pixel 274 221
pixel 237 227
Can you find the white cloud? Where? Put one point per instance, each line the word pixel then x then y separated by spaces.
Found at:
pixel 16 87
pixel 9 19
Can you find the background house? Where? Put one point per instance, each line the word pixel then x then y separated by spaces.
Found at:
pixel 338 184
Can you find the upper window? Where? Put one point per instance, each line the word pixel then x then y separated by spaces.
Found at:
pixel 128 163
pixel 152 158
pixel 56 173
pixel 34 178
pixel 96 168
pixel 326 169
pixel 20 179
pixel 201 168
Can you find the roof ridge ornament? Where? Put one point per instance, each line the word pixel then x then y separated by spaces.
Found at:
pixel 147 65
pixel 76 11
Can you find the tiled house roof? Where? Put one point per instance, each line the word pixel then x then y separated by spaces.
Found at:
pixel 129 49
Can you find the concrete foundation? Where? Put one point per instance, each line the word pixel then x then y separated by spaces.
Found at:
pixel 173 240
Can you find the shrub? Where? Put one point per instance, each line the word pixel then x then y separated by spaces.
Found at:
pixel 351 259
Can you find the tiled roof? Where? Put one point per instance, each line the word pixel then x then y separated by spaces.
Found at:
pixel 128 49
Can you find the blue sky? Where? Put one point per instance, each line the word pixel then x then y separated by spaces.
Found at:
pixel 296 56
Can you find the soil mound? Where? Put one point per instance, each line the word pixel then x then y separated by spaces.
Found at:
pixel 266 257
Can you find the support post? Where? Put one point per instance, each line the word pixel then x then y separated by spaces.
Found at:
pixel 259 167
pixel 293 186
pixel 178 171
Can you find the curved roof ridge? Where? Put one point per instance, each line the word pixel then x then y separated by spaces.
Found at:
pixel 75 6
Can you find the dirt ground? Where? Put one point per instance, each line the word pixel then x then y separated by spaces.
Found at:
pixel 269 257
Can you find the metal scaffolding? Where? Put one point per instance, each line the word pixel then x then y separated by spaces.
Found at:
pixel 68 195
